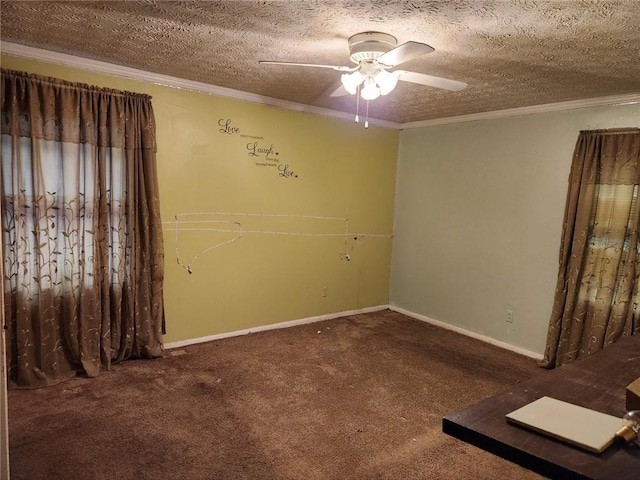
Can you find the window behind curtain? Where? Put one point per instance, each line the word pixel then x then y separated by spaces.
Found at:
pixel 81 228
pixel 596 294
pixel 57 186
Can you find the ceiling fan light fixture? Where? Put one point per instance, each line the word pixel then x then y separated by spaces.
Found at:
pixel 351 81
pixel 386 81
pixel 375 53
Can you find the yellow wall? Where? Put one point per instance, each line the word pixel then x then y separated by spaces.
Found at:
pixel 342 171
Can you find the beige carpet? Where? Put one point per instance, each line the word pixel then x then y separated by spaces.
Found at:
pixel 360 397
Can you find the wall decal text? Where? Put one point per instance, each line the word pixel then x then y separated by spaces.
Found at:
pixel 265 154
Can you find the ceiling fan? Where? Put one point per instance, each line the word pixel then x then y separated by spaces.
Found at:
pixel 374 54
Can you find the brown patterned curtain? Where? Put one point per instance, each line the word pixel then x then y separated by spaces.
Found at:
pixel 596 299
pixel 83 253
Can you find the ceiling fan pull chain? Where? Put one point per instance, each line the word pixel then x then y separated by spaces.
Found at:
pixel 357 104
pixel 366 121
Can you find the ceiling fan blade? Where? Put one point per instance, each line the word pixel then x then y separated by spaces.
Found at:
pixel 430 80
pixel 403 53
pixel 292 64
pixel 339 92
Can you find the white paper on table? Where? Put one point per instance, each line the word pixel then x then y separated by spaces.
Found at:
pixel 583 427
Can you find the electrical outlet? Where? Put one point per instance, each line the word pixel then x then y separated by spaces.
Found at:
pixel 509 316
pixel 325 291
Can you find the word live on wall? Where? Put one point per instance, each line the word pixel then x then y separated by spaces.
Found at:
pixel 263 153
pixel 230 223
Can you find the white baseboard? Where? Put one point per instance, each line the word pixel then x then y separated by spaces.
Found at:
pixel 330 316
pixel 468 333
pixel 274 326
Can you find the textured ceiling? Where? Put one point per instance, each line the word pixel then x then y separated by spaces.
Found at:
pixel 512 53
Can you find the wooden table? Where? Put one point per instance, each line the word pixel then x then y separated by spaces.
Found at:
pixel 597 382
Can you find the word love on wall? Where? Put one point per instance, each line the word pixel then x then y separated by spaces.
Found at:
pixel 263 153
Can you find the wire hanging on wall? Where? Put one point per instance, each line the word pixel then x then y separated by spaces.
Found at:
pixel 183 224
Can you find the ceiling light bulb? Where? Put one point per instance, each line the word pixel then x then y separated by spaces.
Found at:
pixel 350 81
pixel 386 81
pixel 370 91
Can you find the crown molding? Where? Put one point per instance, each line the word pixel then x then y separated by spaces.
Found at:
pixel 97 66
pixel 625 99
pixel 174 82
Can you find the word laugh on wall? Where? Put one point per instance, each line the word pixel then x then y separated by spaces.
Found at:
pixel 263 153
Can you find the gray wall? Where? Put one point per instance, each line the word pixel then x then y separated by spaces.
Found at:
pixel 479 209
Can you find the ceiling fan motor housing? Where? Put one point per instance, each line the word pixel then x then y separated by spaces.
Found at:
pixel 370 45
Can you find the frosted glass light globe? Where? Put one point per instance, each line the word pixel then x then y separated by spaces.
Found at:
pixel 370 91
pixel 386 81
pixel 350 81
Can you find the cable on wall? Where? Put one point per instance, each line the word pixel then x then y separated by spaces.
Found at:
pixel 183 223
